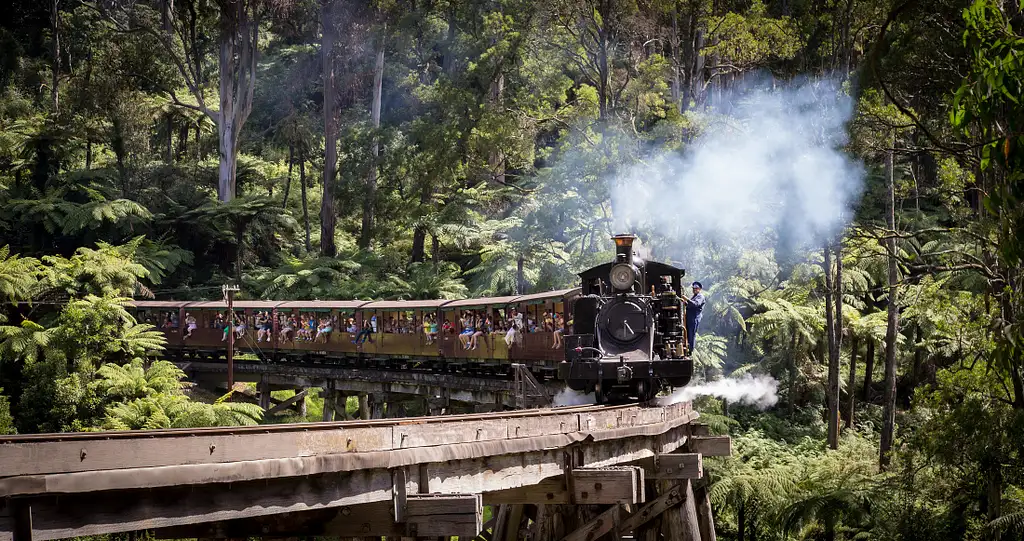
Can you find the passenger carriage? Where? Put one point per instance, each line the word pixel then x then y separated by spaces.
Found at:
pixel 398 330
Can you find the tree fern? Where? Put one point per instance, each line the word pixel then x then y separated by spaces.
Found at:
pixel 19 276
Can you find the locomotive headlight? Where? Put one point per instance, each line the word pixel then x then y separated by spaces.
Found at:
pixel 622 276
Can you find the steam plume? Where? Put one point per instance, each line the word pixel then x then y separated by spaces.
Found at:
pixel 760 391
pixel 569 397
pixel 773 167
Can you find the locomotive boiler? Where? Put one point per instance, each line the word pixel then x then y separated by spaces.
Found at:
pixel 628 336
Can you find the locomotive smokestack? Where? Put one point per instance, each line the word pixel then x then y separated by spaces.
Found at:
pixel 624 247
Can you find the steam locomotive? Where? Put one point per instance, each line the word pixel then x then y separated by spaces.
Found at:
pixel 629 334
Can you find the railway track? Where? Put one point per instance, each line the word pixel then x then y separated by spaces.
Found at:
pixel 301 427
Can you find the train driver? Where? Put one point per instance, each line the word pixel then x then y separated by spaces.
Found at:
pixel 694 308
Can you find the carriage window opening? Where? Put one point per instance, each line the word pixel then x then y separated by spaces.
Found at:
pixel 324 327
pixel 430 327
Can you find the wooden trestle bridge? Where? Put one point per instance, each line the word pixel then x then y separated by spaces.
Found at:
pixel 575 473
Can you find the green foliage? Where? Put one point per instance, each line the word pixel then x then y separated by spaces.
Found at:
pixel 138 398
pixel 6 421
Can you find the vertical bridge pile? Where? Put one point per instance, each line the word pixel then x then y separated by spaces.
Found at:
pixel 575 473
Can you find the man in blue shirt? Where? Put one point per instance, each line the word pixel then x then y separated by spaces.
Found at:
pixel 694 308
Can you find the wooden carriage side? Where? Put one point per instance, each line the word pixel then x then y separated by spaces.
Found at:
pixel 490 345
pixel 339 340
pixel 210 332
pixel 537 346
pixel 395 316
pixel 154 312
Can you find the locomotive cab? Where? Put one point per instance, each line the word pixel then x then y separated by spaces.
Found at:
pixel 628 329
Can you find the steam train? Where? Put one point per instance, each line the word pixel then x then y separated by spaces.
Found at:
pixel 629 333
pixel 624 334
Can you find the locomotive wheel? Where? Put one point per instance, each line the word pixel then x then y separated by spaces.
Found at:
pixel 600 394
pixel 646 390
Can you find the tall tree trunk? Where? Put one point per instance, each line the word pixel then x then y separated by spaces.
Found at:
pixel 448 61
pixel 239 43
pixel 837 289
pixel 604 76
pixel 741 522
pixel 166 15
pixel 495 159
pixel 288 180
pixel 88 154
pixel 435 250
pixel 918 357
pixel 520 276
pixel 831 393
pixel 892 323
pixel 419 236
pixel 696 64
pixel 305 205
pixel 169 139
pixel 677 93
pixel 55 76
pixel 792 372
pixel 183 132
pixel 869 368
pixel 328 216
pixel 370 201
pixel 851 390
pixel 227 132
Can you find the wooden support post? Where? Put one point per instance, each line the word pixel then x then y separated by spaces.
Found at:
pixel 328 406
pixel 265 392
pixel 597 527
pixel 650 515
pixel 376 406
pixel 364 407
pixel 21 518
pixel 705 520
pixel 340 406
pixel 302 402
pixel 681 523
pixel 514 518
pixel 500 513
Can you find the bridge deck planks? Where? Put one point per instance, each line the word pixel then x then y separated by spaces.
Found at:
pixel 316 469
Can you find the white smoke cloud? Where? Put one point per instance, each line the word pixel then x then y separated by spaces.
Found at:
pixel 775 167
pixel 760 391
pixel 569 397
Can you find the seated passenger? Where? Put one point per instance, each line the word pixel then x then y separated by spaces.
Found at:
pixel 478 331
pixel 287 328
pixel 467 332
pixel 190 325
pixel 240 328
pixel 261 325
pixel 556 335
pixel 324 331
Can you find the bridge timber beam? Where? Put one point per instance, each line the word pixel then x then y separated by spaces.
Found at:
pixel 460 388
pixel 98 483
